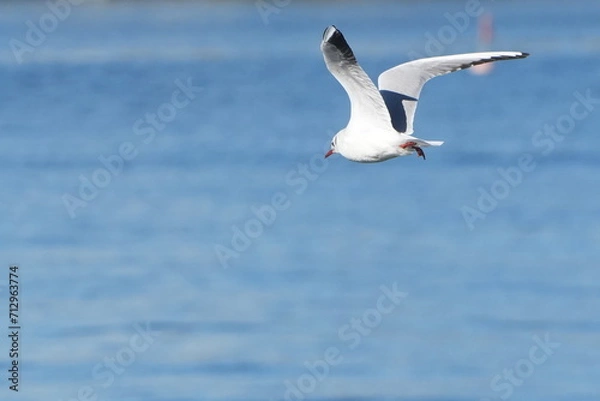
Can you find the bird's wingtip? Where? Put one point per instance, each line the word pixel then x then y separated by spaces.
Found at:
pixel 329 32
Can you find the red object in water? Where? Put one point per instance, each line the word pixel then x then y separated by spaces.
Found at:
pixel 485 30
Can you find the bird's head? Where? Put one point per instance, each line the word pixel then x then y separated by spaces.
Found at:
pixel 332 149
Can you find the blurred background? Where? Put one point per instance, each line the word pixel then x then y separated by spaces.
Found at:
pixel 180 237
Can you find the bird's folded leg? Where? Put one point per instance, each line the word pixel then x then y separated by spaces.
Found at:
pixel 413 145
pixel 420 152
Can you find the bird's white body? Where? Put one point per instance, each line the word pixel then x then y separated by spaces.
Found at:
pixel 370 145
pixel 381 119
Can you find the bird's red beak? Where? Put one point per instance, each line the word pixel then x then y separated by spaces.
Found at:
pixel 329 153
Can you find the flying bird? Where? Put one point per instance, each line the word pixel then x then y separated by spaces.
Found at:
pixel 381 120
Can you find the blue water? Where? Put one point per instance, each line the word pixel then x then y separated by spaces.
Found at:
pixel 477 295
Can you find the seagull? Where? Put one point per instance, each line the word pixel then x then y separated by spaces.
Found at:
pixel 381 120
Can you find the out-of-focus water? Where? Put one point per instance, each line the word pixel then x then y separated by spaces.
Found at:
pixel 307 286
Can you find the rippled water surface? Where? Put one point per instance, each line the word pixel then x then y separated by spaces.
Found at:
pixel 471 275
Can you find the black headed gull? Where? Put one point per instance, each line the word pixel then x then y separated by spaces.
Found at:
pixel 381 121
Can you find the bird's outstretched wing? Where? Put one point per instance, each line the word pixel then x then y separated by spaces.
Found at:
pixel 367 105
pixel 400 86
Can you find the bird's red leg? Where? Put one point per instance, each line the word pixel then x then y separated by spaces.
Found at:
pixel 413 145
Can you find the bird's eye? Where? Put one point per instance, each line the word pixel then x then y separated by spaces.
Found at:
pixel 332 144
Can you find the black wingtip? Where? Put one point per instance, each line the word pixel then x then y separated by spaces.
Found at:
pixel 329 32
pixel 334 36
